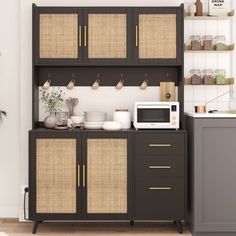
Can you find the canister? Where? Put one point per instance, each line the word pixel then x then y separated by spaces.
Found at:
pixel 123 116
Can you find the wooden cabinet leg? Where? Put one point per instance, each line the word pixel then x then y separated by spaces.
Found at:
pixel 179 226
pixel 35 226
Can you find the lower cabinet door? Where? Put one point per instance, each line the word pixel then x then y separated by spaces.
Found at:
pixel 106 167
pixel 159 198
pixel 54 178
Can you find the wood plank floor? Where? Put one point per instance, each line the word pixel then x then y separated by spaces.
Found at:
pixel 14 228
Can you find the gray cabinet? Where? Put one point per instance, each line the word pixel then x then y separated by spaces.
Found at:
pixel 212 175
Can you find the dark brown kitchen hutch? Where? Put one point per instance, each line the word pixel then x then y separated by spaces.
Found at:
pixel 69 170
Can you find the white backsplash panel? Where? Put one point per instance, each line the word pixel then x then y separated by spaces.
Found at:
pixel 106 99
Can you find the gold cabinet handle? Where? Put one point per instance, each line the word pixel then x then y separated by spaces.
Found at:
pixel 159 145
pixel 159 167
pixel 159 188
pixel 84 174
pixel 85 36
pixel 78 175
pixel 136 30
pixel 80 36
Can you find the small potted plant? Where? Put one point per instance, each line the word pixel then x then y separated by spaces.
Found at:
pixel 2 113
pixel 53 102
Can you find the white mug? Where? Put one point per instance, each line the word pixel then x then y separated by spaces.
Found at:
pixel 144 84
pixel 96 84
pixel 46 85
pixel 120 84
pixel 71 84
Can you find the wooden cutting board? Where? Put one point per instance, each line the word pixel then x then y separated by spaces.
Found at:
pixel 167 92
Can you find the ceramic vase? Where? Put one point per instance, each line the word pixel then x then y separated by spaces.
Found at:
pixel 50 121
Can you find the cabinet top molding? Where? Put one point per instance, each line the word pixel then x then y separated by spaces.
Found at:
pixel 109 7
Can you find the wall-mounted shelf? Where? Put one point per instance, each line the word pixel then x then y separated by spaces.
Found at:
pixel 187 49
pixel 229 81
pixel 206 17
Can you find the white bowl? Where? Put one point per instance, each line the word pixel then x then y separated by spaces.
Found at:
pixel 77 119
pixel 112 125
pixel 95 116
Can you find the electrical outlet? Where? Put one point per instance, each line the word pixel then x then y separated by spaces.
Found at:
pixel 23 188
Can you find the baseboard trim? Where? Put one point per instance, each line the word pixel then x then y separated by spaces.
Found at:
pixel 9 212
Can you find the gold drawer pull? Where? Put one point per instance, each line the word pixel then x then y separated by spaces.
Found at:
pixel 84 174
pixel 159 145
pixel 80 36
pixel 78 175
pixel 136 36
pixel 159 188
pixel 159 167
pixel 85 36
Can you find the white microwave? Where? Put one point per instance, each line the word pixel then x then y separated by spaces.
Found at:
pixel 156 115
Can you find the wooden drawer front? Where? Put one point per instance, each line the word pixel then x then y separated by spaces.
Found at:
pixel 150 167
pixel 159 144
pixel 159 198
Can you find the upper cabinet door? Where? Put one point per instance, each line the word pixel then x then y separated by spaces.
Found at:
pixel 57 35
pixel 107 35
pixel 158 35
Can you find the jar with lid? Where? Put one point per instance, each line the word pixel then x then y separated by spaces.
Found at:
pixel 196 42
pixel 195 76
pixel 220 76
pixel 207 42
pixel 221 43
pixel 124 117
pixel 208 76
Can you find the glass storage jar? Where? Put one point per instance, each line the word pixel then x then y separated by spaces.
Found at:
pixel 207 42
pixel 221 43
pixel 220 76
pixel 196 42
pixel 195 76
pixel 208 76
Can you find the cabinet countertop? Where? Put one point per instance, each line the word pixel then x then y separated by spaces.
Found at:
pixel 211 115
pixel 101 131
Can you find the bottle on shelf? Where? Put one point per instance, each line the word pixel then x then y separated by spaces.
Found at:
pixel 198 4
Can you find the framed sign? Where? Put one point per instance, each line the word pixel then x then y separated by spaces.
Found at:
pixel 218 8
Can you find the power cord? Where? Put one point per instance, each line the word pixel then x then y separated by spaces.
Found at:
pixel 26 190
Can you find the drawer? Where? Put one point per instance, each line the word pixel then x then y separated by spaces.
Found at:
pixel 159 144
pixel 159 198
pixel 151 167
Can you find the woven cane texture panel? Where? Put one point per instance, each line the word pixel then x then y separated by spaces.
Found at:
pixel 107 35
pixel 58 36
pixel 107 176
pixel 157 36
pixel 56 176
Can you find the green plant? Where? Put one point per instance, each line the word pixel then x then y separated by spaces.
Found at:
pixel 53 101
pixel 2 113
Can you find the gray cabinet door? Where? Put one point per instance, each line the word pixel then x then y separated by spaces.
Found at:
pixel 215 175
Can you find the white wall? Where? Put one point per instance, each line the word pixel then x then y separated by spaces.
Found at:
pixel 9 100
pixel 15 90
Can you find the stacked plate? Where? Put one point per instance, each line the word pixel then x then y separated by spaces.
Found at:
pixel 93 125
pixel 112 125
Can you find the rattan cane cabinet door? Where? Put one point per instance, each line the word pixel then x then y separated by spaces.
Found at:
pixel 55 176
pixel 107 35
pixel 57 35
pixel 156 36
pixel 107 176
